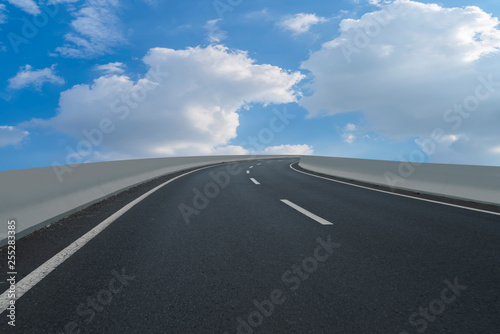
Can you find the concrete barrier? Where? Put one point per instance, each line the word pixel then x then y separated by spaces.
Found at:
pixel 475 183
pixel 36 197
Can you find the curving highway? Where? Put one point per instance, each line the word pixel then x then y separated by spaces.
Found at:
pixel 259 247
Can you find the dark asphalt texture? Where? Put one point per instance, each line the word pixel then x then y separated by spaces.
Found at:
pixel 393 264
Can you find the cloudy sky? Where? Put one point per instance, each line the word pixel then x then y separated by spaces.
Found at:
pixel 97 80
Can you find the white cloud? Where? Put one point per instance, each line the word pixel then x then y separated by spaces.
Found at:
pixel 270 150
pixel 349 138
pixel 405 66
pixel 112 68
pixel 29 6
pixel 347 134
pixel 54 2
pixel 262 15
pixel 214 33
pixel 3 16
pixel 289 149
pixel 10 135
pixel 350 127
pixel 300 23
pixel 190 111
pixel 95 31
pixel 27 77
pixel 230 150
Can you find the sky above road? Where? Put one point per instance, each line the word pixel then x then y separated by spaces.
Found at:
pixel 95 80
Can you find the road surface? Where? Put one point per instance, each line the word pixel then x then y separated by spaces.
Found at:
pixel 258 247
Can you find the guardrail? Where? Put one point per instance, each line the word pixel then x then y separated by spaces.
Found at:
pixel 37 197
pixel 474 183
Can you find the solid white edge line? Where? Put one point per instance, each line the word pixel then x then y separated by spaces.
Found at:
pixel 41 272
pixel 396 194
pixel 254 180
pixel 307 213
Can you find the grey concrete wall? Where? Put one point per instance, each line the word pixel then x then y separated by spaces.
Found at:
pixel 475 183
pixel 37 197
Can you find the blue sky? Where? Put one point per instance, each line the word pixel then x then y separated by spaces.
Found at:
pixel 95 80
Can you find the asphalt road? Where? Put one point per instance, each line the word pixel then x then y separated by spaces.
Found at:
pixel 240 257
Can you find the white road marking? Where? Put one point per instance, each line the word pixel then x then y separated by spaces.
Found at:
pixel 251 167
pixel 396 194
pixel 254 180
pixel 307 213
pixel 41 272
pixel 248 172
pixel 259 164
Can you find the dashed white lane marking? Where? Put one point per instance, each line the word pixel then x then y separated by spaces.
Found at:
pixel 248 172
pixel 251 167
pixel 41 272
pixel 254 180
pixel 307 213
pixel 259 164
